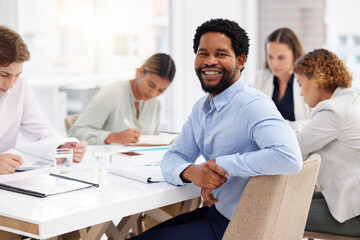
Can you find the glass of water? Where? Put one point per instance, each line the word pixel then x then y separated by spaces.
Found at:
pixel 63 160
pixel 102 157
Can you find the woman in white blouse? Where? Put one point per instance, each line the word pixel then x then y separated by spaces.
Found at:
pixel 282 48
pixel 334 133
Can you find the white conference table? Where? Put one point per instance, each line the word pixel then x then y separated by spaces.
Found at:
pixel 116 198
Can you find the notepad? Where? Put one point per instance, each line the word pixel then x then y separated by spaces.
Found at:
pixel 46 185
pixel 155 140
pixel 30 161
pixel 39 154
pixel 145 174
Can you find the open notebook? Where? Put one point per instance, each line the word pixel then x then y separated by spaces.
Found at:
pixel 46 185
pixel 39 154
pixel 156 140
pixel 30 161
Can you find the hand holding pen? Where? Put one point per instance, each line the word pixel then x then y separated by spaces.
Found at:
pixel 130 135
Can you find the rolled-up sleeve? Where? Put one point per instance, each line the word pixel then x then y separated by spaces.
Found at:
pixel 182 153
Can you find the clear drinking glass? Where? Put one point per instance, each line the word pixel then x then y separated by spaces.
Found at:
pixel 63 160
pixel 103 157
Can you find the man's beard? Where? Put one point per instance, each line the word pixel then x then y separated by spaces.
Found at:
pixel 226 80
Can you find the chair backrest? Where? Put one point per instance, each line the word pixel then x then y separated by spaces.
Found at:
pixel 275 206
pixel 70 120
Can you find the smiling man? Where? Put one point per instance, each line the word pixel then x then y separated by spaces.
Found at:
pixel 19 110
pixel 237 129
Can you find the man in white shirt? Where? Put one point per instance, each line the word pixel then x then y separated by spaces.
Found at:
pixel 19 110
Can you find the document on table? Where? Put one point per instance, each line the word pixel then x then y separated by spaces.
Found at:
pixel 156 140
pixel 39 154
pixel 30 161
pixel 146 174
pixel 147 156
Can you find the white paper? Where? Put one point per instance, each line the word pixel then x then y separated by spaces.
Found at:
pixel 45 148
pixel 31 162
pixel 146 174
pixel 39 154
pixel 155 140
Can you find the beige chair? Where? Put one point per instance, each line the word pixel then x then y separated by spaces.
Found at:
pixel 327 236
pixel 275 207
pixel 70 120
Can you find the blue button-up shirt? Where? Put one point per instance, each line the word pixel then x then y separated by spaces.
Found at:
pixel 240 128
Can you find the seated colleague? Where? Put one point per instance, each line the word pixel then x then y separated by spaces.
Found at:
pixel 233 128
pixel 334 133
pixel 19 109
pixel 282 48
pixel 102 122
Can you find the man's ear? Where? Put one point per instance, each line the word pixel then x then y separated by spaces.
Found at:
pixel 240 61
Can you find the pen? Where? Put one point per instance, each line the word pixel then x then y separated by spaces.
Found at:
pixel 127 123
pixel 74 179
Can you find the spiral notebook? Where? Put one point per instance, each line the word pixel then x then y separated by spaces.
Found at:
pixel 46 185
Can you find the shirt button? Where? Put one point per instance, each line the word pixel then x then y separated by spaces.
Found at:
pixel 321 187
pixel 207 135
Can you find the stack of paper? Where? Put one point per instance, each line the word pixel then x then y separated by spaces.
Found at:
pixel 146 174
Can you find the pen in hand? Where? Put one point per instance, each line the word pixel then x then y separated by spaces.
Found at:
pixel 127 123
pixel 132 134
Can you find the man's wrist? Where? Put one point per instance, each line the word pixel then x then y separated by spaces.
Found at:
pixel 186 175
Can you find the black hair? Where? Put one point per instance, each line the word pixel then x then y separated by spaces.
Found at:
pixel 238 36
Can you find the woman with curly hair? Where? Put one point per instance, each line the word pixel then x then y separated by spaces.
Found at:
pixel 334 133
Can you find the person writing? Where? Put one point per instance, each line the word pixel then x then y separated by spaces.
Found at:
pixel 122 111
pixel 20 112
pixel 233 128
pixel 282 48
pixel 334 133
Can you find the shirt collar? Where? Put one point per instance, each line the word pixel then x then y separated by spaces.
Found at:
pixel 223 98
pixel 8 92
pixel 341 91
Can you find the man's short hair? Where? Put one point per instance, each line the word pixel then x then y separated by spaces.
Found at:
pixel 12 47
pixel 238 36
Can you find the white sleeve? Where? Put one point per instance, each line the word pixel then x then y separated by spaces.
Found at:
pixel 34 124
pixel 320 130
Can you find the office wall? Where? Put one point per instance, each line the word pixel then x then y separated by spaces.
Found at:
pixel 305 17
